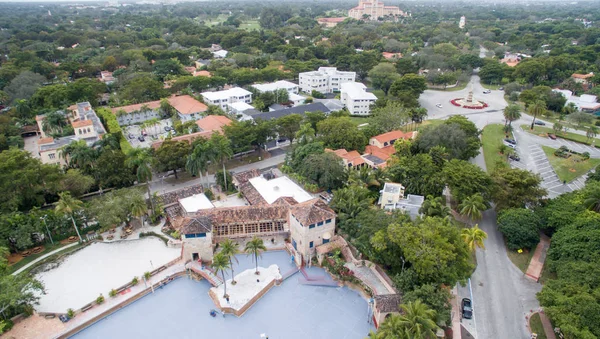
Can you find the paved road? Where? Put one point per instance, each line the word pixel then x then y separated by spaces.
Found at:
pixel 44 257
pixel 169 184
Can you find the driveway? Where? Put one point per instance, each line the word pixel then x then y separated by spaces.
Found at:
pixel 133 133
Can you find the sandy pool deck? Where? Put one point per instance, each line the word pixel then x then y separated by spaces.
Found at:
pixel 98 268
pixel 247 286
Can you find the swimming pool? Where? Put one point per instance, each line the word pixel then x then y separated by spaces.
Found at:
pixel 291 311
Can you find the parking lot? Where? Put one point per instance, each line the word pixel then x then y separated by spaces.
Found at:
pixel 133 133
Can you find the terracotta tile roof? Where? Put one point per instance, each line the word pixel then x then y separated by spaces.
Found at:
pixel 388 303
pixel 190 69
pixel 251 194
pixel 330 246
pixel 82 123
pixel 353 157
pixel 185 104
pixel 393 135
pixel 213 123
pixel 389 55
pixel 289 201
pixel 335 20
pixel 188 138
pixel 582 76
pixel 202 74
pixel 510 62
pixel 47 140
pixel 312 211
pixel 243 177
pixel 185 225
pixel 239 214
pixel 133 108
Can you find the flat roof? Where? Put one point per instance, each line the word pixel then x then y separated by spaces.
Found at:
pixel 226 94
pixel 357 90
pixel 273 86
pixel 392 187
pixel 274 189
pixel 195 203
pixel 240 106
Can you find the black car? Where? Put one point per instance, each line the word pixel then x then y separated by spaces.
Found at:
pixel 167 128
pixel 514 157
pixel 467 308
pixel 141 138
pixel 511 141
pixel 540 123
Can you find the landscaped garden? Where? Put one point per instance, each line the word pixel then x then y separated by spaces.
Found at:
pixel 544 131
pixel 536 326
pixel 567 164
pixel 492 139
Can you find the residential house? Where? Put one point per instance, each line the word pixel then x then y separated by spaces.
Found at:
pixel 391 56
pixel 583 79
pixel 226 97
pixel 325 80
pixel 350 159
pixel 220 54
pixel 330 22
pixel 187 109
pixel 392 198
pixel 356 99
pixel 107 77
pixel 290 87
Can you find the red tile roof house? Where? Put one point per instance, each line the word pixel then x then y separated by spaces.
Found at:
pixel 379 150
pixel 208 125
pixel 187 109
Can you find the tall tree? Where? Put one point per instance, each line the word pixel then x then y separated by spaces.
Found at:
pixel 221 146
pixel 287 126
pixel 141 160
pixel 536 109
pixel 68 205
pixel 254 248
pixel 511 112
pixel 138 208
pixel 220 264
pixel 434 207
pixel 230 249
pixel 172 155
pixel 416 321
pixel 474 237
pixel 383 76
pixel 473 206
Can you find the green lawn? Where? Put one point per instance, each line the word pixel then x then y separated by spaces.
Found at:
pixel 537 130
pixel 492 87
pixel 215 21
pixel 459 87
pixel 359 120
pixel 570 168
pixel 554 119
pixel 47 248
pixel 250 25
pixel 491 138
pixel 536 326
pixel 521 260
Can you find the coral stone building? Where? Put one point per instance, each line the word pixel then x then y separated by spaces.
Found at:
pixel 373 9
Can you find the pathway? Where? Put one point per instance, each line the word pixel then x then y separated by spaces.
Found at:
pixel 44 257
pixel 536 265
pixel 365 274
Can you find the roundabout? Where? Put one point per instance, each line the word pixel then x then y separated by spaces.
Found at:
pixel 469 102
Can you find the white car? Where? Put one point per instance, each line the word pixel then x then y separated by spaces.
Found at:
pixel 487 91
pixel 438 105
pixel 510 145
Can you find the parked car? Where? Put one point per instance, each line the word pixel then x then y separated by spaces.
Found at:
pixel 552 136
pixel 511 141
pixel 438 105
pixel 467 308
pixel 501 88
pixel 514 157
pixel 141 138
pixel 487 91
pixel 510 145
pixel 540 123
pixel 144 133
pixel 131 136
pixel 167 128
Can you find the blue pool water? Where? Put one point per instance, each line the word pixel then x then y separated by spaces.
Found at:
pixel 290 311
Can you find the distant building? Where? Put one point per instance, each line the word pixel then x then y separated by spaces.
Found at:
pixel 290 87
pixel 220 54
pixel 226 97
pixel 391 56
pixel 392 198
pixel 583 79
pixel 585 103
pixel 373 10
pixel 357 100
pixel 330 22
pixel 462 22
pixel 107 77
pixel 325 80
pixel 86 126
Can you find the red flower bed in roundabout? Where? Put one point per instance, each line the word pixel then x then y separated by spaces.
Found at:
pixel 479 105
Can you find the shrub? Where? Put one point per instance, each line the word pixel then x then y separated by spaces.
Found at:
pixel 147 275
pixel 209 194
pixel 70 313
pixel 6 325
pixel 176 235
pixel 100 299
pixel 112 293
pixel 152 234
pixel 520 226
pixel 585 155
pixel 134 281
pixel 317 94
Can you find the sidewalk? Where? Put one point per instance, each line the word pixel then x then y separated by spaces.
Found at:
pixel 536 265
pixel 44 257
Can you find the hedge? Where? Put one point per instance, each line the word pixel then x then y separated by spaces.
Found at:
pixel 110 122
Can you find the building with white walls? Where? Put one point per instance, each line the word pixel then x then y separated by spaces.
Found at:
pixel 356 98
pixel 325 80
pixel 290 87
pixel 226 97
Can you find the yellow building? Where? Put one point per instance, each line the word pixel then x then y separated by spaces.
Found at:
pixel 373 10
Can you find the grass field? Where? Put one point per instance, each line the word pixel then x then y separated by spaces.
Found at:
pixel 569 169
pixel 536 326
pixel 521 260
pixel 537 130
pixel 459 87
pixel 215 21
pixel 492 87
pixel 250 25
pixel 491 138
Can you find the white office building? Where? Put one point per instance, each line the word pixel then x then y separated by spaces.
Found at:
pixel 224 98
pixel 356 98
pixel 290 87
pixel 325 80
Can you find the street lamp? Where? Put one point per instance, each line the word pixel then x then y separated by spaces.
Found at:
pixel 47 230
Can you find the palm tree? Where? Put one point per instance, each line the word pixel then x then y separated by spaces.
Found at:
pixel 230 249
pixel 141 160
pixel 418 320
pixel 473 206
pixel 557 127
pixel 474 237
pixel 591 132
pixel 538 108
pixel 434 207
pixel 138 208
pixel 54 122
pixel 305 134
pixel 68 205
pixel 255 247
pixel 79 155
pixel 221 147
pixel 197 161
pixel 220 263
pixel 592 201
pixel 512 112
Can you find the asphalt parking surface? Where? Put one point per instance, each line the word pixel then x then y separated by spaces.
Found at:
pixel 133 132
